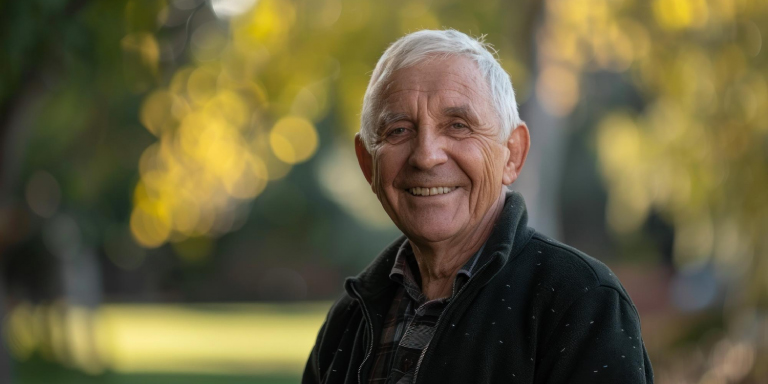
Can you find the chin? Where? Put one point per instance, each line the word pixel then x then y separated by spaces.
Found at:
pixel 430 232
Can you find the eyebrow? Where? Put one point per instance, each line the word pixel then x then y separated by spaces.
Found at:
pixel 462 111
pixel 387 118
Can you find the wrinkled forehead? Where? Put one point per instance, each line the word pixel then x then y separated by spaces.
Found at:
pixel 443 81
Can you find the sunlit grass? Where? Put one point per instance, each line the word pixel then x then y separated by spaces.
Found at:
pixel 221 339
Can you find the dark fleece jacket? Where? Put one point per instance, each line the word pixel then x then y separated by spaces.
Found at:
pixel 538 312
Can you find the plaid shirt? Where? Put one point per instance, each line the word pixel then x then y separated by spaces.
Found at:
pixel 410 322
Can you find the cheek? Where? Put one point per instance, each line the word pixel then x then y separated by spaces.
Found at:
pixel 385 167
pixel 481 161
pixel 494 165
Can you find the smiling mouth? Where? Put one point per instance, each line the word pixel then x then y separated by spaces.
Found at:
pixel 424 191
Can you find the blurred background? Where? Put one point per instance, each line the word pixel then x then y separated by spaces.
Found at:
pixel 180 201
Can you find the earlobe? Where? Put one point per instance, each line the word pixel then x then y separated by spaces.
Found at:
pixel 518 143
pixel 364 158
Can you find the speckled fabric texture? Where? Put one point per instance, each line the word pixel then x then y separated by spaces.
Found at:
pixel 538 311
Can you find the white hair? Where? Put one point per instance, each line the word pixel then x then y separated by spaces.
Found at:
pixel 416 47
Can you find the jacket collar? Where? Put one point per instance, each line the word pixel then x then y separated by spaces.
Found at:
pixel 509 235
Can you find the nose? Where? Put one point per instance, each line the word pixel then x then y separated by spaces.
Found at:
pixel 427 151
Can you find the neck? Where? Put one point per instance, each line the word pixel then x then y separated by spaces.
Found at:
pixel 440 262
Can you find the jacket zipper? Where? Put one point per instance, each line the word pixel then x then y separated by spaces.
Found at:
pixel 370 331
pixel 439 319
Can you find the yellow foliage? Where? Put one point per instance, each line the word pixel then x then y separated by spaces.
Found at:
pixel 680 14
pixel 293 139
pixel 696 152
pixel 558 89
pixel 156 113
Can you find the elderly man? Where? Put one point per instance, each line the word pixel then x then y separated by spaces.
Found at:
pixel 470 294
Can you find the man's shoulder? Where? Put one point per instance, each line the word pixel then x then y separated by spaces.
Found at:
pixel 342 307
pixel 566 267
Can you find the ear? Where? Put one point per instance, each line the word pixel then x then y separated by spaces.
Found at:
pixel 518 143
pixel 364 159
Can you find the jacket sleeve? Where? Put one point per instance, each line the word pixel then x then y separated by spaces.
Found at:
pixel 597 340
pixel 312 369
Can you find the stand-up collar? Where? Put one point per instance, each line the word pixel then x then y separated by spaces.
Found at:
pixel 509 235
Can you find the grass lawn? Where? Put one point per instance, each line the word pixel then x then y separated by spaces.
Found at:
pixel 168 344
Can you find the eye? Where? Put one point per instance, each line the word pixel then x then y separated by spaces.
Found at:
pixel 397 135
pixel 458 130
pixel 396 131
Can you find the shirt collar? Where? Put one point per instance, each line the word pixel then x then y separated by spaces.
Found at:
pixel 405 271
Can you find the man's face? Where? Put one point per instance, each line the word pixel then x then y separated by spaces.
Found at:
pixel 440 164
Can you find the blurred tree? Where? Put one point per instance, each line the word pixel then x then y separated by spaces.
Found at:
pixel 696 150
pixel 64 142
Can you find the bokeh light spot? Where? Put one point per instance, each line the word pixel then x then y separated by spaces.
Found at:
pixel 155 112
pixel 293 139
pixel 558 89
pixel 229 8
pixel 150 224
pixel 201 85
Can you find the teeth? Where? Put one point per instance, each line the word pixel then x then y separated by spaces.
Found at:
pixel 422 191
